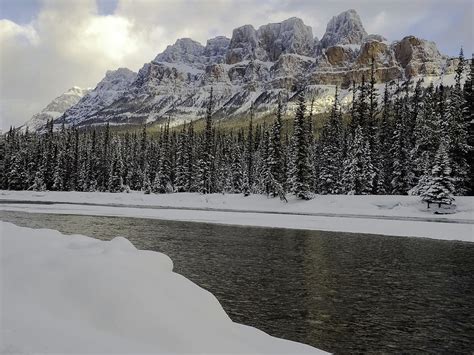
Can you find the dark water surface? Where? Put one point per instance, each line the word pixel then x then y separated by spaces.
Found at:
pixel 341 292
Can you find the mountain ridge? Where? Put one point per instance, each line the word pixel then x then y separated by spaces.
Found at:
pixel 253 68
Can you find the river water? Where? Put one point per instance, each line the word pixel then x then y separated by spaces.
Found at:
pixel 341 292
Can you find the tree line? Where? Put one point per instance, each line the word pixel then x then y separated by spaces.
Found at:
pixel 416 139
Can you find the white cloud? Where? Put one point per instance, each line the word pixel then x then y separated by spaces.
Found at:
pixel 11 31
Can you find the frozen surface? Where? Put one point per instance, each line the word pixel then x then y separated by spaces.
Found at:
pixel 388 215
pixel 75 294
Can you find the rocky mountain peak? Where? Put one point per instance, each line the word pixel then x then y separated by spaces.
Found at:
pixel 289 36
pixel 270 41
pixel 184 50
pixel 345 28
pixel 117 77
pixel 243 45
pixel 216 49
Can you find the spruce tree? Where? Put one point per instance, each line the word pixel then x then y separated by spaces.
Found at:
pixel 469 120
pixel 439 188
pixel 330 152
pixel 164 172
pixel 358 168
pixel 457 130
pixel 275 158
pixel 205 161
pixel 300 177
pixel 115 181
pixel 399 151
pixel 190 159
pixel 15 174
pixel 248 179
pixel 372 109
pixel 181 166
pixel 427 139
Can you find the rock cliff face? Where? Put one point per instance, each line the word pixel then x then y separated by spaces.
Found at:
pixel 418 56
pixel 270 41
pixel 254 66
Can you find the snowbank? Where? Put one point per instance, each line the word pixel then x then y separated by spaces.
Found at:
pixel 387 215
pixel 368 205
pixel 75 294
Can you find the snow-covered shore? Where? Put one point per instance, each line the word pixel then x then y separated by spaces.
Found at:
pixel 75 294
pixel 388 215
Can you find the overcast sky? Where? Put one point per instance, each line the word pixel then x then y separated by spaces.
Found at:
pixel 48 46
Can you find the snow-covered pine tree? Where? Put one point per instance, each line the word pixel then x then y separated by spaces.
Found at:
pixel 164 171
pixel 94 163
pixel 362 106
pixel 190 159
pixel 38 184
pixel 48 156
pixel 311 146
pixel 115 183
pixel 381 157
pixel 457 130
pixel 399 151
pixel 15 174
pixel 238 164
pixel 372 109
pixel 275 153
pixel 330 152
pixel 300 176
pixel 146 185
pixel 104 166
pixel 469 119
pixel 354 119
pixel 36 167
pixel 439 187
pixel 427 139
pixel 74 167
pixel 249 152
pixel 358 170
pixel 205 162
pixel 82 183
pixel 60 161
pixel 143 150
pixel 5 158
pixel 181 166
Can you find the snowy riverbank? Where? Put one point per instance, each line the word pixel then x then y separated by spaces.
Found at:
pixel 389 215
pixel 75 294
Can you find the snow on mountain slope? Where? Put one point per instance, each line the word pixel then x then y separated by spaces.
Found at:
pixel 55 108
pixel 107 91
pixel 254 67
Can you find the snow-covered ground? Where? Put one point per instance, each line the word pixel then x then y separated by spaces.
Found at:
pixel 388 215
pixel 75 294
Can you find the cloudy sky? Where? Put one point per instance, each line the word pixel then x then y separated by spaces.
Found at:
pixel 48 46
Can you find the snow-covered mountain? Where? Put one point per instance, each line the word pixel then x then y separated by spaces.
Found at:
pixel 254 66
pixel 107 91
pixel 55 108
pixel 345 28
